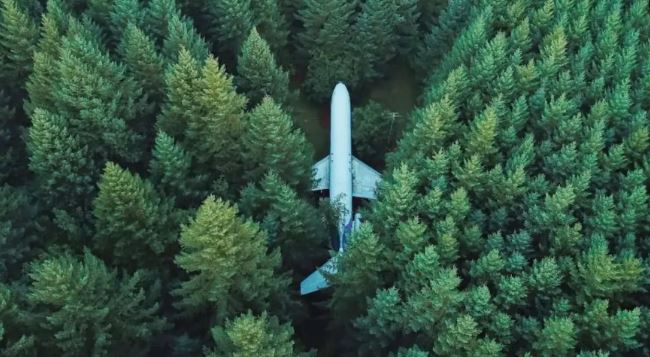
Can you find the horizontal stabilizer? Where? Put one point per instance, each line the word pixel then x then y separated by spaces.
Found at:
pixel 322 174
pixel 316 281
pixel 364 180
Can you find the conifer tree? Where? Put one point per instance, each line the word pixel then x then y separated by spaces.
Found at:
pixel 15 338
pixel 170 170
pixel 258 73
pixel 157 16
pixel 376 36
pixel 18 37
pixel 135 227
pixel 272 143
pixel 86 308
pixel 375 131
pixel 271 23
pixel 61 163
pixel 18 231
pixel 123 14
pixel 326 43
pixel 180 35
pixel 143 64
pixel 358 273
pixel 250 335
pixel 232 21
pixel 181 87
pixel 293 225
pixel 229 269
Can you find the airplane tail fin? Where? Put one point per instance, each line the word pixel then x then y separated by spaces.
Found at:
pixel 316 280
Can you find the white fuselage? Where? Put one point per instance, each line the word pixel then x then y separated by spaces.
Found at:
pixel 341 158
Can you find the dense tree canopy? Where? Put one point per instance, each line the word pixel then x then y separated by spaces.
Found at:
pixel 156 174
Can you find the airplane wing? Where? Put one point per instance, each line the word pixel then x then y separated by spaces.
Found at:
pixel 364 180
pixel 322 174
pixel 316 281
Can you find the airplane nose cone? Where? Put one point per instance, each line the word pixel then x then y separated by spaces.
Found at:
pixel 340 90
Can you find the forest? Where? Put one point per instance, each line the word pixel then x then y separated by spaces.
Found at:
pixel 156 173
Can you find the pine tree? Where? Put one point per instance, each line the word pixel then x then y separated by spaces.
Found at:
pixel 124 13
pixel 94 95
pixel 180 35
pixel 214 136
pixel 557 338
pixel 326 42
pixel 18 231
pixel 376 36
pixel 18 37
pixel 229 269
pixel 143 64
pixel 375 131
pixel 61 163
pixel 272 143
pixel 158 15
pixel 258 73
pixel 181 87
pixel 87 309
pixel 271 23
pixel 135 227
pixel 293 225
pixel 250 335
pixel 170 170
pixel 15 337
pixel 358 273
pixel 232 21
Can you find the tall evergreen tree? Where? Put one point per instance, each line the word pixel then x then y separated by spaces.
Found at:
pixel 271 23
pixel 258 73
pixel 18 37
pixel 144 65
pixel 376 38
pixel 135 227
pixel 86 308
pixel 272 143
pixel 232 21
pixel 229 268
pixel 293 225
pixel 250 335
pixel 326 43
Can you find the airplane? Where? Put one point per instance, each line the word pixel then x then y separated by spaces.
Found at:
pixel 345 176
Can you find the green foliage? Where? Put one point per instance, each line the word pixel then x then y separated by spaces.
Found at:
pixel 293 225
pixel 375 130
pixel 229 269
pixel 326 42
pixel 258 74
pixel 18 36
pixel 88 309
pixel 15 340
pixel 271 142
pixel 232 21
pixel 250 335
pixel 135 227
pixel 271 23
pixel 357 276
pixel 18 230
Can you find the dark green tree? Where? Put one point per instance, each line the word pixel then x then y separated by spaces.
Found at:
pixel 297 228
pixel 86 308
pixel 231 21
pixel 135 227
pixel 272 143
pixel 229 268
pixel 18 37
pixel 250 335
pixel 271 23
pixel 326 42
pixel 258 73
